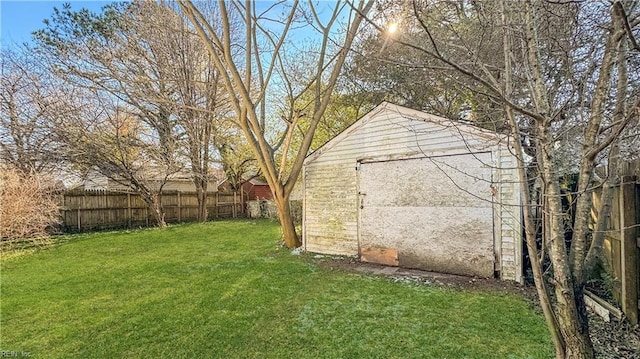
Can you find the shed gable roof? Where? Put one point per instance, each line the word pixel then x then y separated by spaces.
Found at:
pixel 387 108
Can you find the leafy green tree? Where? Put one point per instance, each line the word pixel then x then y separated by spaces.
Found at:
pixel 387 70
pixel 237 159
pixel 343 110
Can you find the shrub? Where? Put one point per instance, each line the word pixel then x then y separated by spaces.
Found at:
pixel 28 207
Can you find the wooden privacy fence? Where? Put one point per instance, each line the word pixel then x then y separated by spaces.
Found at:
pixel 96 209
pixel 622 242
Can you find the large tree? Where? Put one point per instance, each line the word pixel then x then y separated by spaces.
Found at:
pixel 381 69
pixel 236 158
pixel 116 81
pixel 27 101
pixel 557 70
pixel 140 59
pixel 198 100
pixel 344 109
pixel 251 74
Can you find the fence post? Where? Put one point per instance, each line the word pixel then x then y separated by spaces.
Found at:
pixel 242 209
pixel 179 208
pixel 629 249
pixel 79 207
pixel 129 211
pixel 233 213
pixel 216 204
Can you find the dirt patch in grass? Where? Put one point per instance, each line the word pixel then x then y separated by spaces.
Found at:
pixel 426 277
pixel 615 339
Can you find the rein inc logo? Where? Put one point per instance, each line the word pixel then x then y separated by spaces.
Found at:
pixel 14 354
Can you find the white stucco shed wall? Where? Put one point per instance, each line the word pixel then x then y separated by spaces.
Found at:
pixel 331 215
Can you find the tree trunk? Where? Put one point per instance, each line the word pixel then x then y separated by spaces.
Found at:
pixel 153 199
pixel 289 234
pixel 201 195
pixel 591 137
pixel 157 210
pixel 529 224
pixel 595 253
pixel 578 344
pixel 203 214
pixel 570 308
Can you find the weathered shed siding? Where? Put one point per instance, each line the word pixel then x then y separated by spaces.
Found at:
pixel 509 216
pixel 390 132
pixel 330 219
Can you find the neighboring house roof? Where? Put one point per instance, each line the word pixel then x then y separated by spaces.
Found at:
pixel 252 180
pixel 257 182
pixel 180 181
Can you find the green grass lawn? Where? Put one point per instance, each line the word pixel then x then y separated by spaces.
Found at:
pixel 228 290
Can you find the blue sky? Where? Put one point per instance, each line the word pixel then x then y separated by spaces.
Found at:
pixel 20 18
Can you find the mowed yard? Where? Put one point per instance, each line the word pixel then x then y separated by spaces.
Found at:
pixel 229 290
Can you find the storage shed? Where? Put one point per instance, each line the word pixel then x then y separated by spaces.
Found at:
pixel 403 187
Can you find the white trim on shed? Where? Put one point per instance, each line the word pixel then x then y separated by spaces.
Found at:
pixel 443 149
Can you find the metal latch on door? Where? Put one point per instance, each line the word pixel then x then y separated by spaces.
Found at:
pixel 362 194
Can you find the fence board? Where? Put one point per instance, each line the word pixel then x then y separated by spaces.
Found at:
pixel 97 210
pixel 622 239
pixel 629 250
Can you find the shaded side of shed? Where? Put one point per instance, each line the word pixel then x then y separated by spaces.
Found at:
pixel 382 190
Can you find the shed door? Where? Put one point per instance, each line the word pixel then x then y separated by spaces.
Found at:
pixel 429 213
